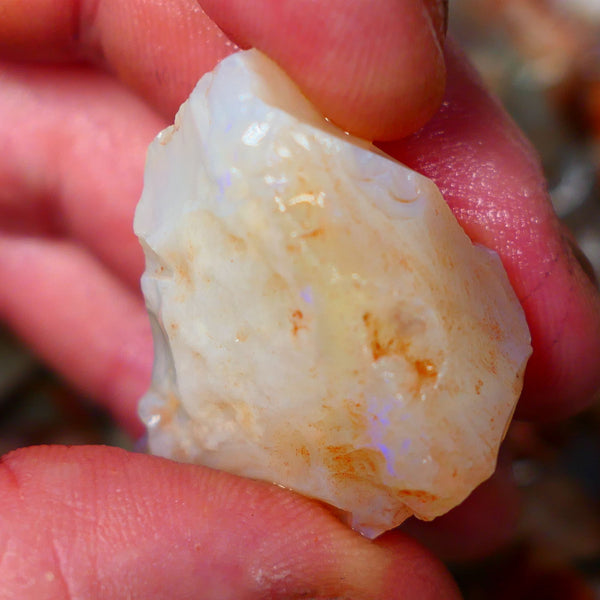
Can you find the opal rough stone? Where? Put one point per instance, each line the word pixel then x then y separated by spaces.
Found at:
pixel 320 319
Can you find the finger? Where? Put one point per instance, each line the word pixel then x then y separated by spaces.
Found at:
pixel 160 49
pixel 375 67
pixel 80 319
pixel 491 179
pixel 93 522
pixel 72 159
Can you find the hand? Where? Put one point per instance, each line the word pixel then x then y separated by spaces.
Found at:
pixel 103 523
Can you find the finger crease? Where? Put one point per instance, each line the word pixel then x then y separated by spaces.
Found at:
pixel 10 473
pixel 57 575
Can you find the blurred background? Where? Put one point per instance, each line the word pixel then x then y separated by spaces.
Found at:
pixel 542 59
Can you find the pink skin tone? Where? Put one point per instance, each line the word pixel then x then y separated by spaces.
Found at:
pixel 103 523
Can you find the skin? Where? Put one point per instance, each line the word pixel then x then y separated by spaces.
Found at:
pixel 86 86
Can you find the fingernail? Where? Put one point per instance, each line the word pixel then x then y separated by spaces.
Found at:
pixel 583 260
pixel 438 11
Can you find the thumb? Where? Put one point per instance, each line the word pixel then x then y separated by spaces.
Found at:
pixel 98 522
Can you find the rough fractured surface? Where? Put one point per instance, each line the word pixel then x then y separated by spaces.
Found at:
pixel 320 319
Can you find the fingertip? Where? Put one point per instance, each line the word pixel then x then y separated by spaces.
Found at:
pixel 563 374
pixel 376 69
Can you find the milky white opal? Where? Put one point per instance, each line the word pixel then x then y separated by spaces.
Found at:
pixel 320 319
